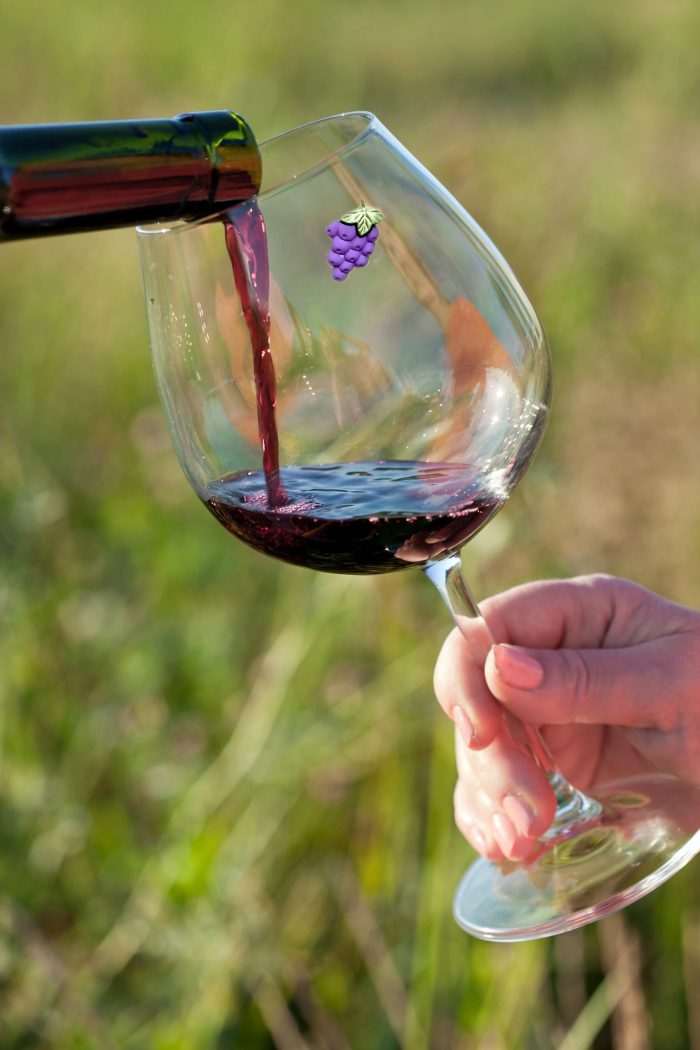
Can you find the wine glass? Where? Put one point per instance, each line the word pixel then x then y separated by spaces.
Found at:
pixel 355 382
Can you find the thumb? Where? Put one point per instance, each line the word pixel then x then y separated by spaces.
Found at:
pixel 622 687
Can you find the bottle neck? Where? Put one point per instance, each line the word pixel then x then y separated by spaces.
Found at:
pixel 63 178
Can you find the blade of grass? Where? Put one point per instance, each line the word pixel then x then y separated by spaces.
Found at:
pixel 218 781
pixel 277 1016
pixel 620 948
pixel 364 926
pixel 598 1009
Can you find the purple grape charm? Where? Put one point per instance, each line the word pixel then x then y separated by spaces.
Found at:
pixel 353 237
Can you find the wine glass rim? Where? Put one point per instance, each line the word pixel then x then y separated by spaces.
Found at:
pixel 370 123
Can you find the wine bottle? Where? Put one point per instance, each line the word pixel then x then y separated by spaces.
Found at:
pixel 64 178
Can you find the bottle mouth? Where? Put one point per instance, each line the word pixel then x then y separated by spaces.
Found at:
pixel 292 157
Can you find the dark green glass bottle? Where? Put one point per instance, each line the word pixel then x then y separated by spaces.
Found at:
pixel 63 178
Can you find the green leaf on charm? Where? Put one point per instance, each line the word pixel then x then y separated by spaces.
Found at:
pixel 364 218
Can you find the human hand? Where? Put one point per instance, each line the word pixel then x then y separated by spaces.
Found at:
pixel 610 674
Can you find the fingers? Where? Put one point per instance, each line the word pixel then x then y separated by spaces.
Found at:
pixel 586 612
pixel 475 824
pixel 564 615
pixel 544 615
pixel 593 651
pixel 503 802
pixel 549 614
pixel 463 694
pixel 621 687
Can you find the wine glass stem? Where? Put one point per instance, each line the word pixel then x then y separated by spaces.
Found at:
pixel 573 807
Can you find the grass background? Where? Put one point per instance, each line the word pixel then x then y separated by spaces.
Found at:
pixel 225 812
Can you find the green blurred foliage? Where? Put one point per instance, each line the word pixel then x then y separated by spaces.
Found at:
pixel 225 812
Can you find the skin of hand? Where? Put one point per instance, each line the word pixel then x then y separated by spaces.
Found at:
pixel 610 674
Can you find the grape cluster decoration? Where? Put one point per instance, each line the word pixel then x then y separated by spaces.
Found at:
pixel 353 237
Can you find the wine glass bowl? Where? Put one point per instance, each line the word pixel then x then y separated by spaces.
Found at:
pixel 426 369
pixel 371 417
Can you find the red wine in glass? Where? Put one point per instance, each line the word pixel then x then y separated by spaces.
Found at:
pixel 356 517
pixel 340 517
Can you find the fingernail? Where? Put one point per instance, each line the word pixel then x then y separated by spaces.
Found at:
pixel 516 668
pixel 463 723
pixel 519 813
pixel 504 832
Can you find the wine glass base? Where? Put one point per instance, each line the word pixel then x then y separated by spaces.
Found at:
pixel 646 832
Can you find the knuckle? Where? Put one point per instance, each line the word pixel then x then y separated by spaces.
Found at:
pixel 460 797
pixel 462 814
pixel 578 682
pixel 602 580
